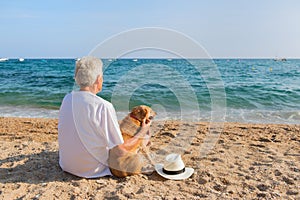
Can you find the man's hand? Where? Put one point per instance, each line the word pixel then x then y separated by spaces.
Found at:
pixel 143 134
pixel 146 126
pixel 144 131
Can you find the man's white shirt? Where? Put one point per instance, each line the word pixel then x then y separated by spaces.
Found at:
pixel 87 129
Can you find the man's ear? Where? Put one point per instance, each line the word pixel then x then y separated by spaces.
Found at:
pixel 100 79
pixel 99 82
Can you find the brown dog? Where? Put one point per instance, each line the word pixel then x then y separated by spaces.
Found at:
pixel 131 162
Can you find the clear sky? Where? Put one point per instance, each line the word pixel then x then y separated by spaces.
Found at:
pixel 226 28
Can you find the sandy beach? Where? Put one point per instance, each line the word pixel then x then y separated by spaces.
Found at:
pixel 248 161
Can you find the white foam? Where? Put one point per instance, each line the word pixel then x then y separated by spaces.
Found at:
pixel 30 112
pixel 243 116
pixel 263 116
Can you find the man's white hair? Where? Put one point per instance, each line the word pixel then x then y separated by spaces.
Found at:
pixel 87 70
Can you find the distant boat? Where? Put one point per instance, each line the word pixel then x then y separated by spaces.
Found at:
pixel 3 59
pixel 280 59
pixel 135 60
pixel 21 59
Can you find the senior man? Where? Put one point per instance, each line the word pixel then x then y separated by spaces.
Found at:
pixel 88 128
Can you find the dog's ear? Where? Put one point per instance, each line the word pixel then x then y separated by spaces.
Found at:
pixel 147 114
pixel 146 111
pixel 139 112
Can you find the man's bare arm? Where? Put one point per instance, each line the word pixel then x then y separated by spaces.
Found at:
pixel 143 134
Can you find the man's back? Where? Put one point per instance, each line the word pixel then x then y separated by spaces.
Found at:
pixel 87 128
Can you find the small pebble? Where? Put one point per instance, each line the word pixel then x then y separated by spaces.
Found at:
pixel 100 181
pixel 77 190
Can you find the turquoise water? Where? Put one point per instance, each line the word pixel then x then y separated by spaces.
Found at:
pixel 257 90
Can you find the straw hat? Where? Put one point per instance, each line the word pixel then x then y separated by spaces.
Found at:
pixel 174 168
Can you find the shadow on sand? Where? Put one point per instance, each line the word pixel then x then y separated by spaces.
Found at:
pixel 35 168
pixel 42 168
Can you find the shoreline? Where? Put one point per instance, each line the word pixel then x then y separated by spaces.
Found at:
pixel 246 161
pixel 121 115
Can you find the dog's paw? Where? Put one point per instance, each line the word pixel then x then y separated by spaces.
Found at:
pixel 148 169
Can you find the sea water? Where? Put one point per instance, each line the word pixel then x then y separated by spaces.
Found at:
pixel 249 90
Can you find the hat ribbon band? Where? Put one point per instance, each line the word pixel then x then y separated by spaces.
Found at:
pixel 173 172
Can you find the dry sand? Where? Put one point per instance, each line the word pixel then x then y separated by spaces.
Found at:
pixel 248 161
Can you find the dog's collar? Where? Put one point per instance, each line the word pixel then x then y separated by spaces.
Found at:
pixel 134 117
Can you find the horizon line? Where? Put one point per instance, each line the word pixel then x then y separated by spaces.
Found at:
pixel 277 58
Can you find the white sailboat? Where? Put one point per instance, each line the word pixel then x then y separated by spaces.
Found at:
pixel 21 59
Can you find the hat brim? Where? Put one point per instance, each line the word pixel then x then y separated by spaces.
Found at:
pixel 186 174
